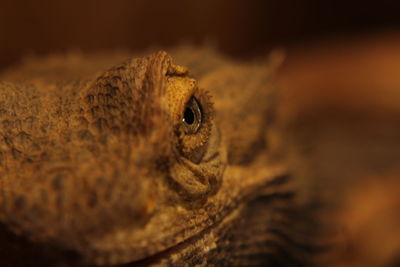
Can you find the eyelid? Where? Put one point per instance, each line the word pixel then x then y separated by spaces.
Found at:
pixel 179 92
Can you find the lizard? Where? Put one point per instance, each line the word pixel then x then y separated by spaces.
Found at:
pixel 146 163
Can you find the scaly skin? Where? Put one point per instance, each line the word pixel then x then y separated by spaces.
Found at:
pixel 100 164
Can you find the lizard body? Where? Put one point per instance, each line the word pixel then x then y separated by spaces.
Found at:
pixel 140 164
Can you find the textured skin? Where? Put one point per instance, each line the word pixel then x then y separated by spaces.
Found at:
pixel 95 168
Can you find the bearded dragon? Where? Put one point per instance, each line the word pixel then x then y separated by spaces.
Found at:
pixel 160 160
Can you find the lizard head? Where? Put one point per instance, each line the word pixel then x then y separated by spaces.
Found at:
pixel 130 165
pixel 137 153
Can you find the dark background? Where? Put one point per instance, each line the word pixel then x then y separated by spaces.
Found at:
pixel 240 28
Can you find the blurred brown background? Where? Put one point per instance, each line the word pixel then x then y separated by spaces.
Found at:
pixel 340 99
pixel 239 28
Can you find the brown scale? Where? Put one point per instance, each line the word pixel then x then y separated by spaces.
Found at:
pixel 142 163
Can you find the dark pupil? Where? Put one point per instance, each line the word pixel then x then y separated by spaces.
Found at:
pixel 189 116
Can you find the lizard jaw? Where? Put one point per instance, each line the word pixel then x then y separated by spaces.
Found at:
pixel 189 231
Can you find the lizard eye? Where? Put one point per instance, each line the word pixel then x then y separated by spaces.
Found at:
pixel 192 116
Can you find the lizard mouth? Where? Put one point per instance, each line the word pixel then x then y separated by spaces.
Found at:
pixel 206 233
pixel 19 250
pixel 175 249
